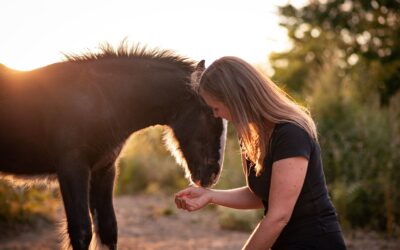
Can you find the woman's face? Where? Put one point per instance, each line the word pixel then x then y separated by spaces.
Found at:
pixel 219 109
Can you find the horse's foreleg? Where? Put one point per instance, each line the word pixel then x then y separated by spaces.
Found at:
pixel 101 205
pixel 73 176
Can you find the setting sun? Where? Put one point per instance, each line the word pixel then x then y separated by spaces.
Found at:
pixel 37 33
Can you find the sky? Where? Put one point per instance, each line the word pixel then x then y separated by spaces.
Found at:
pixel 37 33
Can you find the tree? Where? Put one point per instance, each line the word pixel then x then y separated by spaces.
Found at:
pixel 352 32
pixel 345 60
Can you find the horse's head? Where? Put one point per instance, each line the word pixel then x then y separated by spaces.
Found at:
pixel 197 140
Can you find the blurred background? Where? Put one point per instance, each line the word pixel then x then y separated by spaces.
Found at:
pixel 339 58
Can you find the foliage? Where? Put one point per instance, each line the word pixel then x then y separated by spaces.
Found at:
pixel 239 220
pixel 360 145
pixel 145 165
pixel 345 65
pixel 21 205
pixel 352 31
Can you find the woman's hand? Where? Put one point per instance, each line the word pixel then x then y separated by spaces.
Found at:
pixel 193 198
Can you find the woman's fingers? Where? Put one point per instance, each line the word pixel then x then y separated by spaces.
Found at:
pixel 190 205
pixel 181 203
pixel 178 202
pixel 184 204
pixel 178 198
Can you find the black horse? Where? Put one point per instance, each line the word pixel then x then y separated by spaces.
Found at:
pixel 70 120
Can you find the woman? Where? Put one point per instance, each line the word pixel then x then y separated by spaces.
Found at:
pixel 281 161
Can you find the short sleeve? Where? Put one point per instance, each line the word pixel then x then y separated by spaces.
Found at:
pixel 290 140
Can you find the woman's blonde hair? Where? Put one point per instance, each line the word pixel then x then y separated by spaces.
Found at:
pixel 256 104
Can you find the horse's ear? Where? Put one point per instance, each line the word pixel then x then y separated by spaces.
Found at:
pixel 195 76
pixel 201 66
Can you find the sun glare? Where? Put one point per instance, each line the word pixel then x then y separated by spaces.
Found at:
pixel 28 62
pixel 40 31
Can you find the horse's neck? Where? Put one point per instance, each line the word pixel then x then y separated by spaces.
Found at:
pixel 145 96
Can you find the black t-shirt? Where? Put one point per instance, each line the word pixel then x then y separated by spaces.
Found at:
pixel 313 213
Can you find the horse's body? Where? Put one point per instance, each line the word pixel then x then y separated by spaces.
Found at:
pixel 71 120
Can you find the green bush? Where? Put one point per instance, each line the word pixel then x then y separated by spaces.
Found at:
pixel 360 151
pixel 145 165
pixel 25 206
pixel 239 220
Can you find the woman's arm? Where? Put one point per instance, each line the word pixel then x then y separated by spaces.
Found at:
pixel 194 198
pixel 286 182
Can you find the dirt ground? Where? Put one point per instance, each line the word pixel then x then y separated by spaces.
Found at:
pixel 152 222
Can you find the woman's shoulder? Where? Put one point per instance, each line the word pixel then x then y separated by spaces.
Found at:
pixel 289 127
pixel 290 140
pixel 290 131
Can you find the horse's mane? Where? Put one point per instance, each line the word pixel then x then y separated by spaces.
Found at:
pixel 123 50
